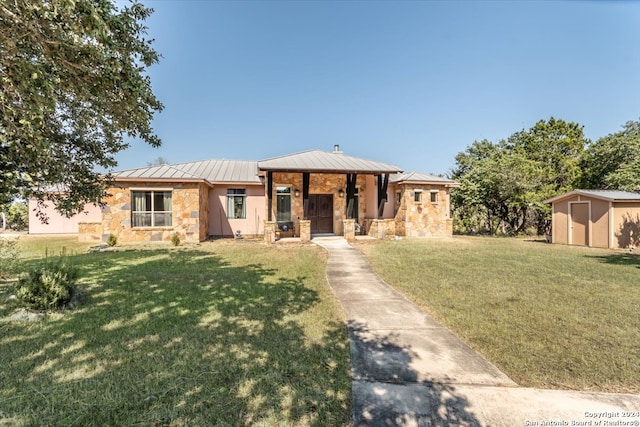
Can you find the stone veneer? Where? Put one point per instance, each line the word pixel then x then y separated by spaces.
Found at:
pixel 319 184
pixel 190 203
pixel 423 219
pixel 90 232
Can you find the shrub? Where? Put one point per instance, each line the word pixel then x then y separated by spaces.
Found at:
pixel 112 240
pixel 9 254
pixel 18 216
pixel 175 239
pixel 51 285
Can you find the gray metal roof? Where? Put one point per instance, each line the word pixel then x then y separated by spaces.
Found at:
pixel 609 195
pixel 323 161
pixel 212 171
pixel 417 177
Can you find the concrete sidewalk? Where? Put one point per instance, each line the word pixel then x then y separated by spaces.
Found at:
pixel 409 370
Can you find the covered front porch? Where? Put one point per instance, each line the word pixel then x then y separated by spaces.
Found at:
pixel 319 193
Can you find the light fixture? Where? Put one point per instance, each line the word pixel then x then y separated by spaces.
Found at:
pixel 341 193
pixel 296 192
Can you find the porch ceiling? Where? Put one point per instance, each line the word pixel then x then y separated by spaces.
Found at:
pixel 325 162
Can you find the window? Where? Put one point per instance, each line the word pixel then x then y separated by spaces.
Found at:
pixel 236 206
pixel 434 197
pixel 283 203
pixel 417 196
pixel 151 208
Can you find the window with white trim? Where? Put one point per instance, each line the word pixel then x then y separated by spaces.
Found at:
pixel 283 203
pixel 434 197
pixel 236 203
pixel 417 196
pixel 151 208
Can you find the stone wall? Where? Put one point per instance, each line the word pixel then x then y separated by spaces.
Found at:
pixel 90 232
pixel 189 213
pixel 423 218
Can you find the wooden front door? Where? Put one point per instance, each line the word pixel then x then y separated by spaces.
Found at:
pixel 580 224
pixel 320 212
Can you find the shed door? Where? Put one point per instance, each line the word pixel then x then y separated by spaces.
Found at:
pixel 580 224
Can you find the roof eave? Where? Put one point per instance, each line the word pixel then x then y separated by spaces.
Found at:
pixel 588 194
pixel 160 180
pixel 331 171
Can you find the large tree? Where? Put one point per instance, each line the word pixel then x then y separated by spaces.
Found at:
pixel 503 185
pixel 613 161
pixel 74 84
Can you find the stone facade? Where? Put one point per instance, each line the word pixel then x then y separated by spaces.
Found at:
pixel 189 213
pixel 423 217
pixel 380 228
pixel 90 232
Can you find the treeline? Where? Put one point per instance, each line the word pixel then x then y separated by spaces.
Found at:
pixel 503 184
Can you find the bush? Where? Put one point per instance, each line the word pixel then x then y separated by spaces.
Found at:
pixel 175 239
pixel 18 216
pixel 9 254
pixel 52 285
pixel 112 240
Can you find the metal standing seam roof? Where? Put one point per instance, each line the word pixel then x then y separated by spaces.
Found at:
pixel 609 195
pixel 327 162
pixel 212 171
pixel 418 177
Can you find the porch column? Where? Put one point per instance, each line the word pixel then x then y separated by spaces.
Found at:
pixel 305 194
pixel 351 194
pixel 269 196
pixel 305 230
pixel 382 193
pixel 349 226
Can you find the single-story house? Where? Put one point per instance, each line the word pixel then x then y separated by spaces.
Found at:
pixel 298 195
pixel 596 218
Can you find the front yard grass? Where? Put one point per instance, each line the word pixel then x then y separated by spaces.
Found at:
pixel 549 316
pixel 221 334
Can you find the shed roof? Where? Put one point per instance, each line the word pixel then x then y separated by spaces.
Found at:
pixel 325 162
pixel 421 178
pixel 608 195
pixel 211 171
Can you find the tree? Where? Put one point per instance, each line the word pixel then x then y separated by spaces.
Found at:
pixel 74 83
pixel 497 188
pixel 613 161
pixel 557 147
pixel 16 215
pixel 159 161
pixel 503 185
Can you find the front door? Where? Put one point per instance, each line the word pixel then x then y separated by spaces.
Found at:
pixel 320 212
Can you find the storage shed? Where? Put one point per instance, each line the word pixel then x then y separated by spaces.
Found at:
pixel 596 218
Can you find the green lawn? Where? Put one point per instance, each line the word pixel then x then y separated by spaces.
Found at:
pixel 223 333
pixel 548 315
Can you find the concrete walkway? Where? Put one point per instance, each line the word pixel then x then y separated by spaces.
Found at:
pixel 408 370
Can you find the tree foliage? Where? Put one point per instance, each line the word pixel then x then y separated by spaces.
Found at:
pixel 16 215
pixel 503 184
pixel 613 161
pixel 74 83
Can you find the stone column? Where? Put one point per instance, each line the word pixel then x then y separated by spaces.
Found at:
pixel 349 226
pixel 270 231
pixel 305 230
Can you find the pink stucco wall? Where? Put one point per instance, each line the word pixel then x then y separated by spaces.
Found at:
pixel 252 225
pixel 59 224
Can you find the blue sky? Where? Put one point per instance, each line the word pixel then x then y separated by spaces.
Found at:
pixel 411 83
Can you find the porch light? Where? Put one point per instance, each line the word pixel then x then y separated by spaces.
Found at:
pixel 296 192
pixel 341 193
